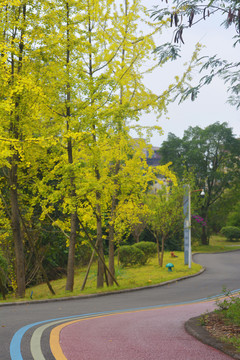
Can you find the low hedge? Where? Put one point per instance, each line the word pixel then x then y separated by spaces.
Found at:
pixel 231 232
pixel 131 255
pixel 148 247
pixel 137 254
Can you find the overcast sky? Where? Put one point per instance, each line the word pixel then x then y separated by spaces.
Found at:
pixel 211 104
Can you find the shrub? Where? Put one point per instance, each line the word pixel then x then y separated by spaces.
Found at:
pixel 149 248
pixel 229 307
pixel 131 255
pixel 3 275
pixel 231 232
pixel 83 254
pixel 3 268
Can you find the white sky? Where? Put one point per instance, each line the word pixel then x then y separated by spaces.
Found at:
pixel 211 105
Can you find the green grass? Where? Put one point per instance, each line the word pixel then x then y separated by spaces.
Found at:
pixel 217 243
pixel 229 312
pixel 129 277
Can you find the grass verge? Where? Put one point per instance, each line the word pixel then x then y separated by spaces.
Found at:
pixel 217 243
pixel 224 322
pixel 128 278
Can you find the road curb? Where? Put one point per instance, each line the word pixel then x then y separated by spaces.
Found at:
pixel 193 327
pixel 79 297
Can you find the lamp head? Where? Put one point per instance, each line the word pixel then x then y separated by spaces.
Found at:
pixel 202 194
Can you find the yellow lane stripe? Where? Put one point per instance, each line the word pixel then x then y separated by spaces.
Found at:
pixel 55 337
pixel 55 333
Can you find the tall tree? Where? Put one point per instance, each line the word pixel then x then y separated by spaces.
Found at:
pixel 72 84
pixel 212 154
pixel 183 16
pixel 18 110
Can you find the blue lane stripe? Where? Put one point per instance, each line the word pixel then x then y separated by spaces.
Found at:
pixel 15 345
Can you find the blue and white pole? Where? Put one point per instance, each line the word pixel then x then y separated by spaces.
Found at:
pixel 187 226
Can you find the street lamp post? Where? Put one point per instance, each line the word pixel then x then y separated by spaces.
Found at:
pixel 187 224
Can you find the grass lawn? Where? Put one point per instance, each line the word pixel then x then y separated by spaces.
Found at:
pixel 130 277
pixel 217 243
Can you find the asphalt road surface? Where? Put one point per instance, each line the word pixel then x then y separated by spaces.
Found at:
pixel 21 326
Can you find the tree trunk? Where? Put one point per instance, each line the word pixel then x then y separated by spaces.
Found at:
pixel 16 66
pixel 2 290
pixel 97 251
pixel 88 270
pixel 158 250
pixel 162 252
pixel 71 253
pixel 111 234
pixel 73 220
pixel 16 229
pixel 100 274
pixel 204 236
pixel 38 260
pixel 111 254
pixel 73 217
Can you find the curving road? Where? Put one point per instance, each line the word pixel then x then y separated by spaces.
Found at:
pixel 25 330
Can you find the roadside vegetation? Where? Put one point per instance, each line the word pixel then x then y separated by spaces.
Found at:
pixel 224 322
pixel 74 183
pixel 128 278
pixel 217 243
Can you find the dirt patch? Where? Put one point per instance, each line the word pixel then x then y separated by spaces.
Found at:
pixel 216 326
pixel 210 329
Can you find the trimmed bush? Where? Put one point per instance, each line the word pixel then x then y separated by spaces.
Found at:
pixel 131 255
pixel 149 248
pixel 231 232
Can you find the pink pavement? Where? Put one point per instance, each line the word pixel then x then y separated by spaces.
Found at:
pixel 155 334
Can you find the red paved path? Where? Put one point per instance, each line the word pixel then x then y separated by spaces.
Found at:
pixel 145 335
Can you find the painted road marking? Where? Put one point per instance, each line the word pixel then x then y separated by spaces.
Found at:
pixel 15 346
pixel 35 344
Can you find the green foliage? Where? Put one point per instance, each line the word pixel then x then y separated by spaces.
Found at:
pixel 233 218
pixel 83 254
pixel 3 268
pixel 207 153
pixel 149 248
pixel 174 242
pixel 3 275
pixel 131 255
pixel 233 311
pixel 228 310
pixel 183 15
pixel 231 232
pixel 229 307
pixel 72 79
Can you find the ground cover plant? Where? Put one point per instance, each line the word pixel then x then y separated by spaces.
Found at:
pixel 217 243
pixel 224 322
pixel 128 277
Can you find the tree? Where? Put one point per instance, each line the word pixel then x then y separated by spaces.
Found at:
pixel 20 105
pixel 72 85
pixel 212 154
pixel 183 16
pixel 166 212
